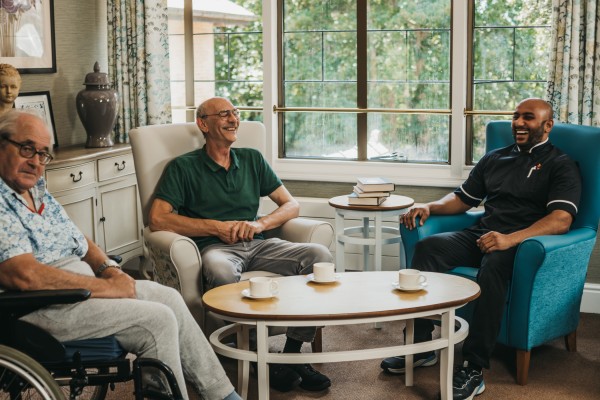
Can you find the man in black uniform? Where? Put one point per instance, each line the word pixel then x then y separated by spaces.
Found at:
pixel 530 189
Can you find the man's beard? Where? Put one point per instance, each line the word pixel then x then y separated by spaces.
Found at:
pixel 534 137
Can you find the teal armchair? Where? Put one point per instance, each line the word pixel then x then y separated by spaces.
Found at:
pixel 545 293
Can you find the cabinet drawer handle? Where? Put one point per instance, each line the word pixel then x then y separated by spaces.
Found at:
pixel 77 179
pixel 102 219
pixel 120 167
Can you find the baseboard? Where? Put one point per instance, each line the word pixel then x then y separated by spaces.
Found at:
pixel 590 303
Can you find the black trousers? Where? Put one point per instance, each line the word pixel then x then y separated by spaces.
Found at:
pixel 444 251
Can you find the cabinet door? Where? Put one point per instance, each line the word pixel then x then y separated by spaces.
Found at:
pixel 81 208
pixel 121 217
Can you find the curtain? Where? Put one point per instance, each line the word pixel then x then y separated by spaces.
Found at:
pixel 574 79
pixel 138 63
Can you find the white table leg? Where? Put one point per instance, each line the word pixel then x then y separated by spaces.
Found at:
pixel 243 340
pixel 262 349
pixel 409 338
pixel 447 355
pixel 378 240
pixel 366 227
pixel 339 244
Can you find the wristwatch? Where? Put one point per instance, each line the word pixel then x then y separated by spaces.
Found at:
pixel 107 264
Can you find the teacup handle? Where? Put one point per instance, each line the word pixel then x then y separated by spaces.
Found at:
pixel 422 279
pixel 274 287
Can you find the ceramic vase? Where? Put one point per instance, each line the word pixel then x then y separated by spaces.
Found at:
pixel 97 109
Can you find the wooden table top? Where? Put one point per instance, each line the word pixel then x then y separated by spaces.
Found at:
pixel 394 202
pixel 353 295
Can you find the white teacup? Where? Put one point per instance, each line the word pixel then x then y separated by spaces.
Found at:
pixel 263 286
pixel 324 271
pixel 411 279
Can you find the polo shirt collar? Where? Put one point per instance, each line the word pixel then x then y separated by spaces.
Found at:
pixel 37 192
pixel 210 163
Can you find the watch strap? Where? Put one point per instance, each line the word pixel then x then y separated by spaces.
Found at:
pixel 107 264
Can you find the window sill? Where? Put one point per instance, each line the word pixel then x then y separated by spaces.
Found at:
pixel 347 171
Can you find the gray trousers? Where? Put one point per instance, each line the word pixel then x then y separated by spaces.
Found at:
pixel 157 324
pixel 224 263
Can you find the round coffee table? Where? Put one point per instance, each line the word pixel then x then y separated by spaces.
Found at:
pixel 354 298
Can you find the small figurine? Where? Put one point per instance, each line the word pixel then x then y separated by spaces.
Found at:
pixel 10 84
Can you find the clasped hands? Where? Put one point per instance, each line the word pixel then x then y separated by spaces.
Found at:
pixel 231 232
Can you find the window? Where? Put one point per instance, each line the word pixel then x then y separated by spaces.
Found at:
pixel 407 59
pixel 396 57
pixel 226 58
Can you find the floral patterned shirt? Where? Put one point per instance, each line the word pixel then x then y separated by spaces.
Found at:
pixel 48 233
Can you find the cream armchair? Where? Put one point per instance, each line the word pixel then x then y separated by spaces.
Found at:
pixel 175 259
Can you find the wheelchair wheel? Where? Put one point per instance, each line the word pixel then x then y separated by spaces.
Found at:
pixel 21 377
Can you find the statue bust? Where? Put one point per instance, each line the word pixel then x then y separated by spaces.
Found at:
pixel 10 84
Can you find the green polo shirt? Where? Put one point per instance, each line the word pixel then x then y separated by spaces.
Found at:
pixel 197 187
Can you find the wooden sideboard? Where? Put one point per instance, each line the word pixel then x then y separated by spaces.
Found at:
pixel 98 189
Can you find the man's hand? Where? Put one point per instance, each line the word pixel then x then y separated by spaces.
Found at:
pixel 227 231
pixel 121 284
pixel 409 219
pixel 495 241
pixel 245 230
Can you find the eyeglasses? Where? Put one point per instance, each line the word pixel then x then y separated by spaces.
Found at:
pixel 224 114
pixel 28 151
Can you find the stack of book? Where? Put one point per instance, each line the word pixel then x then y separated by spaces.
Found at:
pixel 370 191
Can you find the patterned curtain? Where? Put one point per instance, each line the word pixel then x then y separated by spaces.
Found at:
pixel 574 79
pixel 138 63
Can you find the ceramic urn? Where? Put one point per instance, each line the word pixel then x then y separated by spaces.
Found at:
pixel 97 109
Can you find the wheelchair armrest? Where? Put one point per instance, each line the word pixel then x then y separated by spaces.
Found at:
pixel 16 304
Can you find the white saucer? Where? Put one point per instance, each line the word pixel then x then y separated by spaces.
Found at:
pixel 246 293
pixel 409 289
pixel 311 277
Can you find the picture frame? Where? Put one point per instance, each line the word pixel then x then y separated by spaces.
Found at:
pixel 38 103
pixel 27 40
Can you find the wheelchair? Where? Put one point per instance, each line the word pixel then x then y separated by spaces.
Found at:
pixel 34 365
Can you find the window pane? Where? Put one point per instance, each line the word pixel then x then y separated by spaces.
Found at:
pixel 310 135
pixel 311 15
pixel 338 94
pixel 411 137
pixel 408 14
pixel 227 51
pixel 303 56
pixel 409 95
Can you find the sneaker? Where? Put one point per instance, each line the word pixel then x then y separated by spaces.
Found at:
pixel 312 379
pixel 395 365
pixel 467 382
pixel 283 378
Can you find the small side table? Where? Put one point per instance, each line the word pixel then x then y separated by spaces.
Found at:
pixel 394 206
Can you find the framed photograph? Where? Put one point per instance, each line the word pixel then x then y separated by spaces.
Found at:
pixel 38 103
pixel 27 36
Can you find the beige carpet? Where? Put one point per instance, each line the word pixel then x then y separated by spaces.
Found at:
pixel 555 374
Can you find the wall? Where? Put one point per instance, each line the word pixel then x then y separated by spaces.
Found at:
pixel 80 39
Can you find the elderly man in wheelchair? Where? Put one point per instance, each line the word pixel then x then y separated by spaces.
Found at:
pixel 41 249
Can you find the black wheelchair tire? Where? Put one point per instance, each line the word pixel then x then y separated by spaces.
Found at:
pixel 30 372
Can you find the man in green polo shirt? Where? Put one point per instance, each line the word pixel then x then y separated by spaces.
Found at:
pixel 212 195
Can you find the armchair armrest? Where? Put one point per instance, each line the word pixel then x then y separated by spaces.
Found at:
pixel 435 224
pixel 547 285
pixel 304 230
pixel 177 264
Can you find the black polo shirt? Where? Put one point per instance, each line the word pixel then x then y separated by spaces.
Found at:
pixel 521 187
